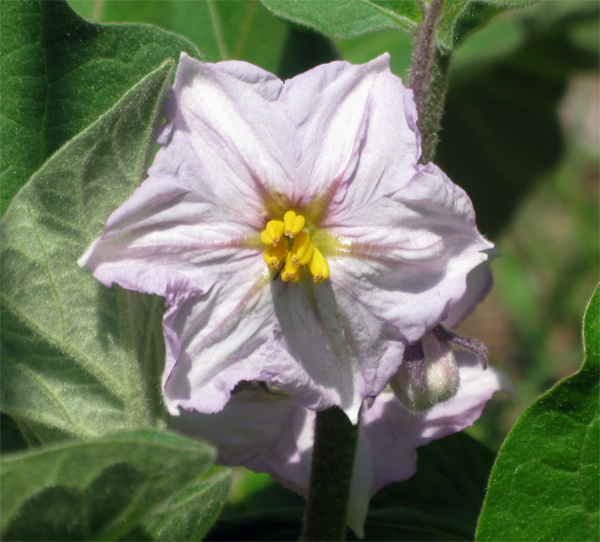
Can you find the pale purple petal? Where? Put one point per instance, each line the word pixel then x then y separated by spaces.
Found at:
pixel 342 346
pixel 412 272
pixel 232 120
pixel 271 433
pixel 356 126
pixel 216 340
pixel 169 227
pixel 390 433
pixel 262 431
pixel 223 337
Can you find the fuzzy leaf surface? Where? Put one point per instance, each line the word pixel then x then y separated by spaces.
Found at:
pixel 80 359
pixel 141 485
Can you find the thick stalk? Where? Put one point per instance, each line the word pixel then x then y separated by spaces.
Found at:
pixel 331 476
pixel 427 78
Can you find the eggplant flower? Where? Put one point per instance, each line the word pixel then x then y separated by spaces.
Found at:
pixel 269 432
pixel 294 235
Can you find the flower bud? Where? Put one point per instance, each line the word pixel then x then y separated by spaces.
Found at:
pixel 421 383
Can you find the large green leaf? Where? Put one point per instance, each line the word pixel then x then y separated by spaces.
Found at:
pixel 78 358
pixel 351 18
pixel 58 73
pixel 544 485
pixel 241 30
pixel 440 502
pixel 143 485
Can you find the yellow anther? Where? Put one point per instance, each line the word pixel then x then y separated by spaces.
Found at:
pixel 287 241
pixel 272 233
pixel 290 270
pixel 273 254
pixel 293 223
pixel 302 249
pixel 318 266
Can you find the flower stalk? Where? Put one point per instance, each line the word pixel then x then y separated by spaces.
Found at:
pixel 334 450
pixel 427 79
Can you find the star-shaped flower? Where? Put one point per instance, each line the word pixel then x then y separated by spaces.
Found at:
pixel 294 235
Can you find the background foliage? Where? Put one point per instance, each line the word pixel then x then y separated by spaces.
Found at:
pixel 520 134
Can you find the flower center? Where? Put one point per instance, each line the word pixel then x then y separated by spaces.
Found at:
pixel 287 242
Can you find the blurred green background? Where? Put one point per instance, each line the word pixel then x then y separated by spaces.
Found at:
pixel 520 134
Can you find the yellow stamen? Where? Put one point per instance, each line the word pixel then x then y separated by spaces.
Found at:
pixel 302 249
pixel 290 270
pixel 293 223
pixel 287 240
pixel 318 266
pixel 273 254
pixel 272 232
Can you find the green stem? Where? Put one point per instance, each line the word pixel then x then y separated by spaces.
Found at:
pixel 428 72
pixel 331 476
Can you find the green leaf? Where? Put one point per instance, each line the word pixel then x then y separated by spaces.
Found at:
pixel 544 485
pixel 78 358
pixel 440 502
pixel 59 73
pixel 240 30
pixel 142 485
pixel 349 18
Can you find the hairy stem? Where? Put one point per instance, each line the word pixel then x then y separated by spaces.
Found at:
pixel 331 476
pixel 427 78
